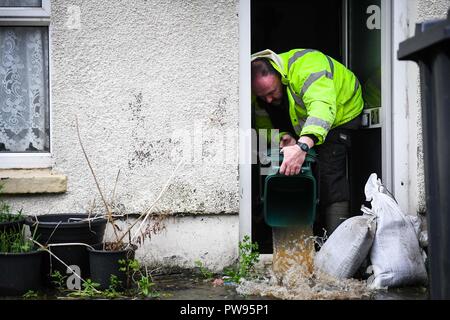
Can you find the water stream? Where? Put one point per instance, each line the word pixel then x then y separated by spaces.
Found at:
pixel 293 275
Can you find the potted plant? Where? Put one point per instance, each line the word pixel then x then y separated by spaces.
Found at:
pixel 8 220
pixel 112 259
pixel 20 263
pixel 107 261
pixel 66 236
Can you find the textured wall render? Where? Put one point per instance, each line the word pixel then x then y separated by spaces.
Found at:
pixel 421 10
pixel 211 239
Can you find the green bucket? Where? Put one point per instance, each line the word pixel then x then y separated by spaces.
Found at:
pixel 291 200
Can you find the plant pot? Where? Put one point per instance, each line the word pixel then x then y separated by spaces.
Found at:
pixel 20 272
pixel 62 229
pixel 104 263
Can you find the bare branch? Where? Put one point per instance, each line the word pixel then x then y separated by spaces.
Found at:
pixel 147 212
pixel 108 210
pixel 113 197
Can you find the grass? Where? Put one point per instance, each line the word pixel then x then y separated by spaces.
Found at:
pixel 15 242
pixel 206 274
pixel 248 257
pixel 5 211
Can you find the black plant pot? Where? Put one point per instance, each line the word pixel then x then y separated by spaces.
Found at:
pixel 20 272
pixel 104 264
pixel 66 228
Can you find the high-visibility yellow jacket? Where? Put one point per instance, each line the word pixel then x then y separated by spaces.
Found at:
pixel 322 93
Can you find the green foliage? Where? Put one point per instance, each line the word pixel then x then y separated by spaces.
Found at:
pixel 89 290
pixel 131 265
pixel 5 211
pixel 114 290
pixel 15 242
pixel 58 280
pixel 6 215
pixel 248 257
pixel 90 287
pixel 30 295
pixel 204 271
pixel 143 281
pixel 145 285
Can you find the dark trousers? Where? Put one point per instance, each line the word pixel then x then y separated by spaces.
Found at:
pixel 332 172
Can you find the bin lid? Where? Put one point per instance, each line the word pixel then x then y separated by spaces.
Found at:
pixel 428 34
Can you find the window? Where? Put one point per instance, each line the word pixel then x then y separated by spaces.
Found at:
pixel 24 84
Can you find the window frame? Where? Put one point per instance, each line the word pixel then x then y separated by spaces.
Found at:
pixel 26 13
pixel 30 17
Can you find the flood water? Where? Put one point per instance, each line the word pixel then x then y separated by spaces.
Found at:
pixel 293 277
pixel 290 276
pixel 190 287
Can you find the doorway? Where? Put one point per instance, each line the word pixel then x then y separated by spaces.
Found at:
pixel 340 29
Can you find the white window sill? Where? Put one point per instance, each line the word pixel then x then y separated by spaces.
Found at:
pixel 25 160
pixel 31 181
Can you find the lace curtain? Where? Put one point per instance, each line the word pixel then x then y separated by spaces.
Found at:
pixel 24 107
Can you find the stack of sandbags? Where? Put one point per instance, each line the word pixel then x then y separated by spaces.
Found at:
pixel 385 234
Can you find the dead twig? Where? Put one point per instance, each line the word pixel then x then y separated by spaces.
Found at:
pixel 108 210
pixel 113 196
pixel 147 212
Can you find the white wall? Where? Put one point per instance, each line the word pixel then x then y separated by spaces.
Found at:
pixel 419 11
pixel 213 240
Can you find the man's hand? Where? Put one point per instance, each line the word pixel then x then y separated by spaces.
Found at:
pixel 293 160
pixel 294 156
pixel 287 140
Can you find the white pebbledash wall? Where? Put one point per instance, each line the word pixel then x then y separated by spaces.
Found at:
pixel 136 73
pixel 419 11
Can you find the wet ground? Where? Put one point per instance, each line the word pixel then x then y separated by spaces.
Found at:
pixel 403 294
pixel 191 287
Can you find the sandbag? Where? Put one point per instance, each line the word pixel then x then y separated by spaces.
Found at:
pixel 395 255
pixel 347 247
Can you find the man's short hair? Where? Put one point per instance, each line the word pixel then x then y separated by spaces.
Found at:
pixel 262 67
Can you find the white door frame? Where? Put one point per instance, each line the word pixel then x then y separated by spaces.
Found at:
pixel 395 101
pixel 386 93
pixel 245 143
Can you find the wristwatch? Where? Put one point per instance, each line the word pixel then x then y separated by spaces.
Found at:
pixel 303 146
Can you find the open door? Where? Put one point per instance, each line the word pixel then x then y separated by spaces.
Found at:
pixel 338 28
pixel 363 52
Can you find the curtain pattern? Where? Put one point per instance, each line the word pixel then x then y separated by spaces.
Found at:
pixel 24 108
